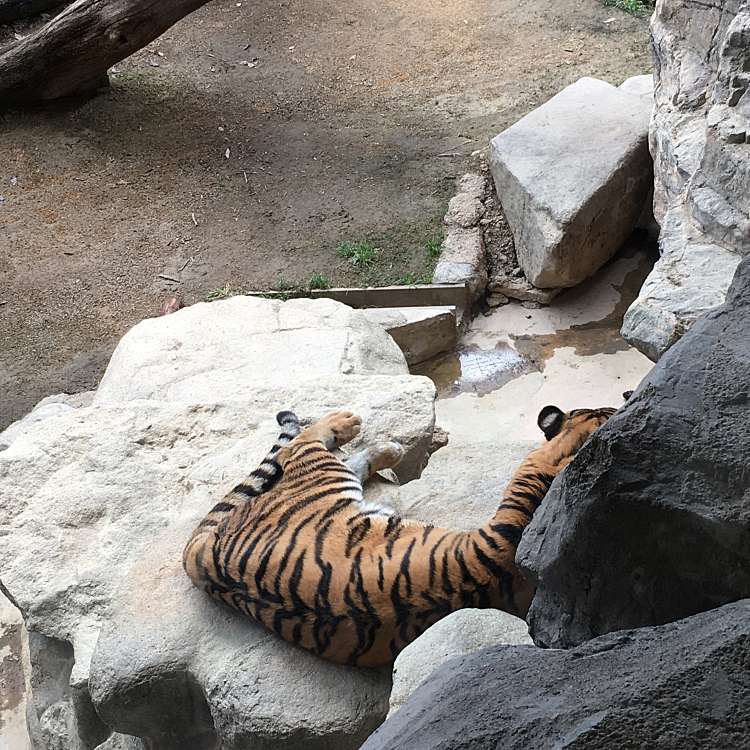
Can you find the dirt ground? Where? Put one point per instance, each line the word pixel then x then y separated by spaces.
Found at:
pixel 243 146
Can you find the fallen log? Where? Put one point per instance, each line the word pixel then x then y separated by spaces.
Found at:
pixel 70 55
pixel 14 10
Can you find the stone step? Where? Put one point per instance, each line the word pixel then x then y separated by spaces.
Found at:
pixel 420 332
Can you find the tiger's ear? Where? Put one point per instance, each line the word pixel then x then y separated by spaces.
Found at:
pixel 627 395
pixel 550 420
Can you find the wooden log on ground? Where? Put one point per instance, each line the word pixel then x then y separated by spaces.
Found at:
pixel 13 10
pixel 70 55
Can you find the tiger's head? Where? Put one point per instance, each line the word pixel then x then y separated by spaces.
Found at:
pixel 579 423
pixel 566 432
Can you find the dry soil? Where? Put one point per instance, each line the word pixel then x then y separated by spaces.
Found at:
pixel 243 146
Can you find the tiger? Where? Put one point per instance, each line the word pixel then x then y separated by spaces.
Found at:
pixel 296 547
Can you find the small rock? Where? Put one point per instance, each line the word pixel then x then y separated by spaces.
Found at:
pixel 464 211
pixel 496 300
pixel 439 440
pixel 170 305
pixel 458 634
pixel 473 185
pixel 531 305
pixel 521 289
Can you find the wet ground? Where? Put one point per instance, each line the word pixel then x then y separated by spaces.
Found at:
pixel 515 360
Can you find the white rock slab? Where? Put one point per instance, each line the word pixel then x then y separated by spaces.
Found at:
pixel 96 503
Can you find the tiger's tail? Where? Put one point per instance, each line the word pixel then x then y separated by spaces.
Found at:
pixel 259 481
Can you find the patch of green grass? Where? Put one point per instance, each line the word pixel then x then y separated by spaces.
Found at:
pixel 408 279
pixel 404 255
pixel 361 254
pixel 283 285
pixel 636 7
pixel 286 288
pixel 221 292
pixel 434 247
pixel 412 279
pixel 319 281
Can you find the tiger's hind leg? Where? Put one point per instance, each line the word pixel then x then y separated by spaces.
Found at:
pixel 367 462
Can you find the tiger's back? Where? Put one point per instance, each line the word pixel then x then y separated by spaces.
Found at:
pixel 353 583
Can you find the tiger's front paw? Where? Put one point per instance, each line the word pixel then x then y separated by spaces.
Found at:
pixel 343 426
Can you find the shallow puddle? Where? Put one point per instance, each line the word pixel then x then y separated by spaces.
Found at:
pixel 475 370
pixel 512 341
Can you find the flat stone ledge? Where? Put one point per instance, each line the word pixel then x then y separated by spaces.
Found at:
pixel 420 332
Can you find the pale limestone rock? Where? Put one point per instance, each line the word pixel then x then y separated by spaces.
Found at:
pixel 698 136
pixel 572 177
pixel 464 210
pixel 97 502
pixel 463 261
pixel 458 634
pixel 420 332
pixel 641 86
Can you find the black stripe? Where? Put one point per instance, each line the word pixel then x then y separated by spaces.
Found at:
pixel 490 541
pixel 287 554
pixel 432 558
pixel 248 490
pixel 404 567
pixel 510 505
pixel 247 553
pixel 306 449
pixel 356 535
pixel 509 532
pixel 447 585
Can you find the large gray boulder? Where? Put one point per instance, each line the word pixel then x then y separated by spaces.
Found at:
pixel 698 136
pixel 650 522
pixel 682 685
pixel 572 177
pixel 96 503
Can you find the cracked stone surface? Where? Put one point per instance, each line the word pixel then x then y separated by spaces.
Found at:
pixel 699 139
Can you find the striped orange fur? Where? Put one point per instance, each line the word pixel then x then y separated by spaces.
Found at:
pixel 296 547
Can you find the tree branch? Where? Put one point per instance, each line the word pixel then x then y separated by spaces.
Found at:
pixel 69 55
